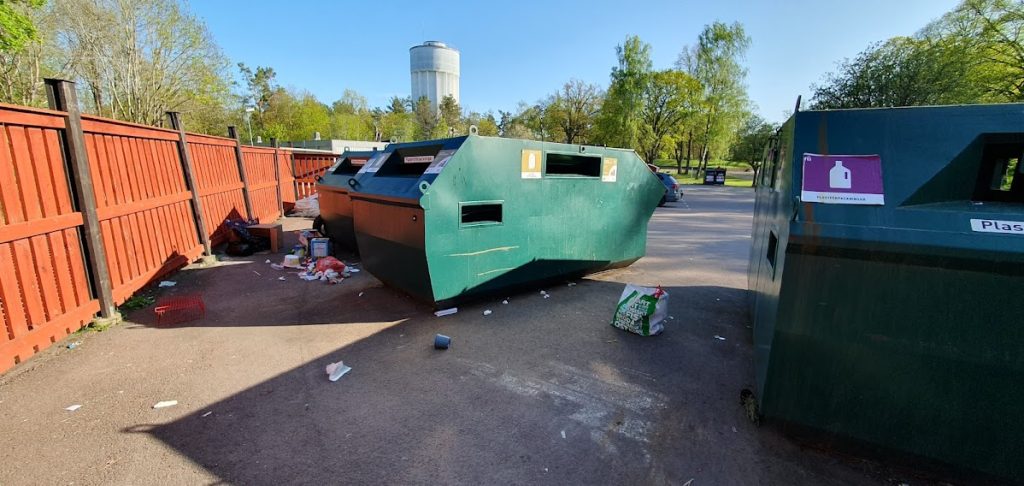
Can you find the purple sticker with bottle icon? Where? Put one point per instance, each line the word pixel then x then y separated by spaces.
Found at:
pixel 843 179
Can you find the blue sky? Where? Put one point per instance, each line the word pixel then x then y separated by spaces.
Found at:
pixel 526 49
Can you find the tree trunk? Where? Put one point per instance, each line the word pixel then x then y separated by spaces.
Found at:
pixel 689 151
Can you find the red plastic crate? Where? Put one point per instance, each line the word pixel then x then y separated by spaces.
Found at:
pixel 179 308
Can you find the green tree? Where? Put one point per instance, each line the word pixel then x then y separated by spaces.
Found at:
pixel 670 98
pixel 751 141
pixel 17 28
pixel 398 105
pixel 350 103
pixel 451 113
pixel 574 109
pixel 715 62
pixel 23 65
pixel 620 113
pixel 426 119
pixel 140 58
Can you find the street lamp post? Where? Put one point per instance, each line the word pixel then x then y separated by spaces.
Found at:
pixel 248 121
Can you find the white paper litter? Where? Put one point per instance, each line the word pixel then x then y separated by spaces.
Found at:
pixel 165 404
pixel 720 338
pixel 207 414
pixel 168 283
pixel 336 370
pixel 487 312
pixel 73 407
pixel 446 312
pixel 505 302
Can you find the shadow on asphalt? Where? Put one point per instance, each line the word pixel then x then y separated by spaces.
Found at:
pixel 494 407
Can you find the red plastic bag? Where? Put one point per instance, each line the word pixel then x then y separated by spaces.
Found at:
pixel 330 263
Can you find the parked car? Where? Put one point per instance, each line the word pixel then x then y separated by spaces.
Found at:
pixel 672 191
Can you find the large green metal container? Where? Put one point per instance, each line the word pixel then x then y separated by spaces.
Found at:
pixel 335 202
pixel 449 220
pixel 898 324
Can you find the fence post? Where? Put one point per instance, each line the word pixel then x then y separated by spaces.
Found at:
pixel 295 177
pixel 233 133
pixel 174 118
pixel 277 176
pixel 61 96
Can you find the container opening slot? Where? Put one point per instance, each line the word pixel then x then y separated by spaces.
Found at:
pixel 1001 174
pixel 411 161
pixel 350 165
pixel 481 213
pixel 773 249
pixel 573 165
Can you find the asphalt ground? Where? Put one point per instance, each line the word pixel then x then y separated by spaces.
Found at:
pixel 541 391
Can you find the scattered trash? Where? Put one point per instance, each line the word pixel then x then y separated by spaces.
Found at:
pixel 446 312
pixel 547 296
pixel 720 338
pixel 292 261
pixel 505 302
pixel 74 344
pixel 319 247
pixel 207 414
pixel 268 260
pixel 281 278
pixel 353 270
pixel 361 294
pixel 734 430
pixel 168 283
pixel 307 207
pixel 543 292
pixel 612 341
pixel 442 342
pixel 671 318
pixel 165 404
pixel 572 284
pixel 336 370
pixel 487 312
pixel 641 310
pixel 258 274
pixel 73 407
pixel 563 434
pixel 277 266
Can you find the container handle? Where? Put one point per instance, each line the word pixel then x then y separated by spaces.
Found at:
pixel 424 187
pixel 352 183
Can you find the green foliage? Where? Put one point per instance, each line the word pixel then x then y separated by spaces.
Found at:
pixel 670 100
pixel 973 54
pixel 620 114
pixel 16 26
pixel 751 141
pixel 715 62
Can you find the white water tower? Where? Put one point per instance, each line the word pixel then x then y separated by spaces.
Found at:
pixel 435 72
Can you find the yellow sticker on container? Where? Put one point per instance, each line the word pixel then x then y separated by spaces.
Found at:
pixel 610 169
pixel 531 164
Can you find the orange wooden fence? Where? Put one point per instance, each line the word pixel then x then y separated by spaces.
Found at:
pixel 263 184
pixel 308 167
pixel 219 183
pixel 140 213
pixel 142 202
pixel 44 289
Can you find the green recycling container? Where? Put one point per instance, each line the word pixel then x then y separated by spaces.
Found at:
pixel 335 202
pixel 887 280
pixel 453 219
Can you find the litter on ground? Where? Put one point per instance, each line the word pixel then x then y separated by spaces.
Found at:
pixel 336 370
pixel 281 278
pixel 207 414
pixel 720 338
pixel 505 302
pixel 74 344
pixel 168 283
pixel 73 407
pixel 165 404
pixel 446 312
pixel 487 312
pixel 442 342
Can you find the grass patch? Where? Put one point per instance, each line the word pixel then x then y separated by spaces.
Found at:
pixel 137 301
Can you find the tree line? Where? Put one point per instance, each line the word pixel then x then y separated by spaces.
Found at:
pixel 136 59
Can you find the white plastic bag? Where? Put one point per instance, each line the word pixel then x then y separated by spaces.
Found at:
pixel 641 310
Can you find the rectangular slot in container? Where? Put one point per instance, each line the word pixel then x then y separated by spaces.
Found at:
pixel 409 161
pixel 481 213
pixel 573 165
pixel 350 165
pixel 1001 174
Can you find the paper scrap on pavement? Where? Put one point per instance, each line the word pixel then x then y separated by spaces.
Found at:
pixel 73 407
pixel 165 404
